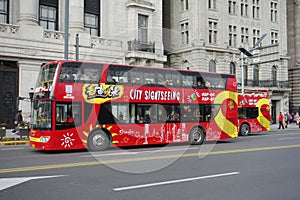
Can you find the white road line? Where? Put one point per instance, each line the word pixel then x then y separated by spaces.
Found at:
pixel 9 182
pixel 137 152
pixel 8 149
pixel 109 154
pixel 288 138
pixel 166 150
pixel 174 181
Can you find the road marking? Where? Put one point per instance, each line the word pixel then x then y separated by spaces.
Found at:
pixel 8 149
pixel 137 152
pixel 9 182
pixel 289 138
pixel 109 154
pixel 123 160
pixel 174 181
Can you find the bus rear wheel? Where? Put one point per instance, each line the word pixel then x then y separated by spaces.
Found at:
pixel 197 136
pixel 98 140
pixel 245 130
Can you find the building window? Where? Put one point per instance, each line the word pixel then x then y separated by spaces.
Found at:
pixel 212 32
pixel 256 34
pixel 4 11
pixel 274 75
pixel 274 11
pixel 143 28
pixel 232 36
pixel 212 66
pixel 92 17
pixel 274 37
pixel 232 68
pixel 244 35
pixel 244 8
pixel 245 74
pixel 232 7
pixel 185 33
pixel 49 14
pixel 256 75
pixel 212 4
pixel 255 9
pixel 184 5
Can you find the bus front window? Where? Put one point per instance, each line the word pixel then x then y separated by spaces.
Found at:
pixel 46 76
pixel 42 116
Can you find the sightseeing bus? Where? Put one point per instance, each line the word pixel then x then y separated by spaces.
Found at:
pixel 91 105
pixel 254 112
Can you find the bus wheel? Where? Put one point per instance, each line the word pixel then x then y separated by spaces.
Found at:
pixel 196 136
pixel 244 130
pixel 98 141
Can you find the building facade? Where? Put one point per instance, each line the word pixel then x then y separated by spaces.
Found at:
pixel 32 32
pixel 293 17
pixel 188 34
pixel 206 35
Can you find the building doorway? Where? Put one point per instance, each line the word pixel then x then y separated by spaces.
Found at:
pixel 8 92
pixel 273 112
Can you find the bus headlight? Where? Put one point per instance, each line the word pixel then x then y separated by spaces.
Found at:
pixel 45 139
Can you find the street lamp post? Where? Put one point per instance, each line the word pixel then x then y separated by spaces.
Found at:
pixel 247 53
pixel 66 56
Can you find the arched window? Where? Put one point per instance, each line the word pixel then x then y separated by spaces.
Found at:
pixel 232 68
pixel 212 66
pixel 256 75
pixel 274 75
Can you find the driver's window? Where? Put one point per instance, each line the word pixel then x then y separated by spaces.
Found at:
pixel 68 115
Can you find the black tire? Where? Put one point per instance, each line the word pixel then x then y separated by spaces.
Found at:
pixel 98 140
pixel 245 130
pixel 197 136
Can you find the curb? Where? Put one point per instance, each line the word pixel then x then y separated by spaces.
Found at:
pixel 13 143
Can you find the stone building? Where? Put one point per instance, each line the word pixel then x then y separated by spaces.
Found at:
pixel 293 34
pixel 194 34
pixel 206 35
pixel 32 32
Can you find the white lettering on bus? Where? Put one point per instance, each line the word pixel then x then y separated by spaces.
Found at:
pixel 136 94
pixel 162 95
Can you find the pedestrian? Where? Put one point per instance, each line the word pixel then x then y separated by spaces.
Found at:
pixel 280 120
pixel 18 120
pixel 296 117
pixel 286 119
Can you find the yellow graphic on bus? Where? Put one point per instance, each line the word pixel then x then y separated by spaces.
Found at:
pixel 224 124
pixel 261 118
pixel 101 93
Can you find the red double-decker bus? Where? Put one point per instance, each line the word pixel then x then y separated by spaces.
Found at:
pixel 97 105
pixel 254 112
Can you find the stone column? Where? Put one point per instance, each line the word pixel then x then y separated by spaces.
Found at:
pixel 297 33
pixel 28 12
pixel 76 22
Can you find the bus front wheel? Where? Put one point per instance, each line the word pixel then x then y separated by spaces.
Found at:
pixel 98 141
pixel 196 136
pixel 244 130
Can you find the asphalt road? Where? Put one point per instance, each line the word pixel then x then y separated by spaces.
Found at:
pixel 261 166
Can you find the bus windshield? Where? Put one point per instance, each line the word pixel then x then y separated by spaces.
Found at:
pixel 41 118
pixel 46 75
pixel 80 72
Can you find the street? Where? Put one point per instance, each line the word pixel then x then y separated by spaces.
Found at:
pixel 259 166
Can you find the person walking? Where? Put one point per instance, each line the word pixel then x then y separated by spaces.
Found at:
pixel 286 119
pixel 280 120
pixel 18 120
pixel 296 117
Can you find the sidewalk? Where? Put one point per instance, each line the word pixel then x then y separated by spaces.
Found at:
pixel 13 139
pixel 274 127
